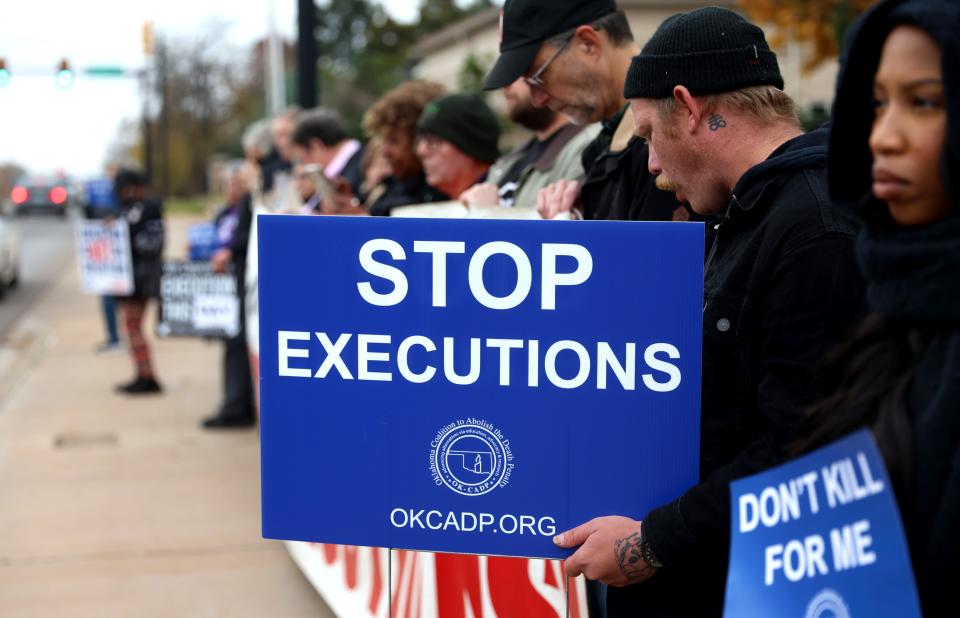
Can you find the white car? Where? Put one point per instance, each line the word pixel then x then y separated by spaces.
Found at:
pixel 9 255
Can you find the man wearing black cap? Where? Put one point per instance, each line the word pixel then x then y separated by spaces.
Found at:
pixel 457 139
pixel 574 55
pixel 781 289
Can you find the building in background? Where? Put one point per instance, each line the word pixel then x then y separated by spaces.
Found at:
pixel 448 56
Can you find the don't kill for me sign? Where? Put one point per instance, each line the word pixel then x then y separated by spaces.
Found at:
pixel 820 537
pixel 474 386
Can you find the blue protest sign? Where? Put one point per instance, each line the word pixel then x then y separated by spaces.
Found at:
pixel 820 537
pixel 202 240
pixel 474 386
pixel 100 193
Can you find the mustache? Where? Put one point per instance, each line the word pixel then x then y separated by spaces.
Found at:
pixel 665 184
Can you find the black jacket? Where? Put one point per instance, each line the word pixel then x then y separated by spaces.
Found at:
pixel 147 236
pixel 405 192
pixel 912 277
pixel 781 288
pixel 618 185
pixel 353 173
pixel 241 241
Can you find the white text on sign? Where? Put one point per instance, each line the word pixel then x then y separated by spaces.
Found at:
pixel 836 485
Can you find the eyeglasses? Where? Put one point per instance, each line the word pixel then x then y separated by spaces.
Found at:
pixel 535 80
pixel 429 141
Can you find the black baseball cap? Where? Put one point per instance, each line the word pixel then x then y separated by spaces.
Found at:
pixel 526 24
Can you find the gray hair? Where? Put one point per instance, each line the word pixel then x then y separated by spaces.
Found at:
pixel 259 137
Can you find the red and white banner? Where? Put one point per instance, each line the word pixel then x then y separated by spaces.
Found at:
pixel 353 582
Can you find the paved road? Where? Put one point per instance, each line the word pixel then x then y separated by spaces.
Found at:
pixel 46 248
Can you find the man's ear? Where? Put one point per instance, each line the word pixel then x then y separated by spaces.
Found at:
pixel 588 41
pixel 687 104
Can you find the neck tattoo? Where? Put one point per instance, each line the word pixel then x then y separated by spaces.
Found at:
pixel 716 122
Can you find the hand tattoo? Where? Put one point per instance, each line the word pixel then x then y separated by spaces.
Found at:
pixel 629 558
pixel 717 122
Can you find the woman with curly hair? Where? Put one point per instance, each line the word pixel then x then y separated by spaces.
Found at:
pixel 393 122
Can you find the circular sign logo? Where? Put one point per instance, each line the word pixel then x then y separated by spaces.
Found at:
pixel 827 604
pixel 471 457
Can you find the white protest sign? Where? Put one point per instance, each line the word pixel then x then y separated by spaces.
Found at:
pixel 104 259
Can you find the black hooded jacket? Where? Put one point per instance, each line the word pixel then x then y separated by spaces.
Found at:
pixel 912 286
pixel 147 236
pixel 781 289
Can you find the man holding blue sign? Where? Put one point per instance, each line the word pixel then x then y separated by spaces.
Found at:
pixel 439 403
pixel 706 94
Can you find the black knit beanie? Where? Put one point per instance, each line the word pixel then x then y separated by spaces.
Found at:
pixel 466 121
pixel 709 51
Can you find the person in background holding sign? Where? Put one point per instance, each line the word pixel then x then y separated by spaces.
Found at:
pixel 238 408
pixel 574 57
pixel 321 138
pixel 707 97
pixel 144 215
pixel 457 137
pixel 307 189
pixel 554 153
pixel 895 157
pixel 101 203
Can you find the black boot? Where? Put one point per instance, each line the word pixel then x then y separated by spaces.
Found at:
pixel 229 421
pixel 140 386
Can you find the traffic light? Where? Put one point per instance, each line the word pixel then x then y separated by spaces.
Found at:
pixel 64 73
pixel 148 38
pixel 4 72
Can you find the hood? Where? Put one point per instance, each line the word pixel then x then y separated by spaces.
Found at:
pixel 911 272
pixel 849 167
pixel 803 152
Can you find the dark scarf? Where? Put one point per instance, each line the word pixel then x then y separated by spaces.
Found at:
pixel 913 274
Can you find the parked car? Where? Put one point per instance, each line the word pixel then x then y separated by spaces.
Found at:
pixel 9 254
pixel 41 194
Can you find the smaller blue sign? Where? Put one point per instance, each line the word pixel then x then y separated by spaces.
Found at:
pixel 203 241
pixel 100 193
pixel 820 537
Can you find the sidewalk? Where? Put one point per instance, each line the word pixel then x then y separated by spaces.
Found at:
pixel 112 506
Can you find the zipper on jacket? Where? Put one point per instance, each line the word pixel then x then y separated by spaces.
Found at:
pixel 716 228
pixel 716 238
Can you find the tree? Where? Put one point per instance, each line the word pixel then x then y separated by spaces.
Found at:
pixel 364 52
pixel 821 24
pixel 10 172
pixel 203 101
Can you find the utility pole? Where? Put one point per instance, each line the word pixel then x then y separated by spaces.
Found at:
pixel 147 89
pixel 164 129
pixel 276 87
pixel 307 54
pixel 147 141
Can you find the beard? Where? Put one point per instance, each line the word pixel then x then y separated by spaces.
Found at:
pixel 580 115
pixel 533 118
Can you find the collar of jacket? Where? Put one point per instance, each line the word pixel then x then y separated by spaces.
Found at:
pixel 802 152
pixel 626 129
pixel 558 141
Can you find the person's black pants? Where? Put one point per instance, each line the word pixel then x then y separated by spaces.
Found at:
pixel 238 398
pixel 237 383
